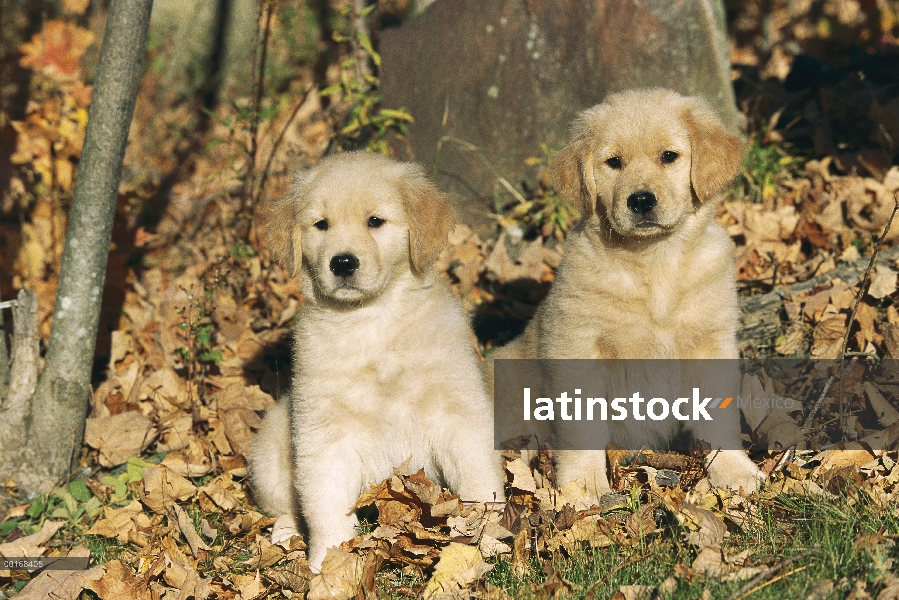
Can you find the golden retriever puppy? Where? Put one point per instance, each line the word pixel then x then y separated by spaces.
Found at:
pixel 384 368
pixel 649 273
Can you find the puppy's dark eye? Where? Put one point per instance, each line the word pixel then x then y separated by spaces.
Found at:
pixel 669 157
pixel 321 225
pixel 614 162
pixel 375 222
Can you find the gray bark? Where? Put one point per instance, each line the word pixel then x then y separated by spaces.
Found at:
pixel 25 358
pixel 52 418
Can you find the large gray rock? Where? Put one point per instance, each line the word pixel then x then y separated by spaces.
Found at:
pixel 507 75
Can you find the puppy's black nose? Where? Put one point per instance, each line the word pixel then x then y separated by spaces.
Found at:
pixel 344 265
pixel 642 202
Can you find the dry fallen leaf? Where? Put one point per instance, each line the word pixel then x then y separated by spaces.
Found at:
pixel 187 529
pixel 75 7
pixel 704 527
pixel 295 576
pixel 777 432
pixel 522 479
pixel 529 264
pixel 340 576
pixel 827 337
pixel 220 493
pixel 709 561
pixel 190 462
pixel 121 523
pixel 162 487
pixel 118 582
pixel 62 583
pixel 252 589
pixel 119 437
pixel 835 459
pixel 636 592
pixel 883 282
pixel 31 545
pixel 237 408
pixel 459 566
pixel 176 433
pixel 883 410
pixel 890 590
pixel 641 522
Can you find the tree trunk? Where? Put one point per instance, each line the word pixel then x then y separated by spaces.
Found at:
pixel 215 61
pixel 41 434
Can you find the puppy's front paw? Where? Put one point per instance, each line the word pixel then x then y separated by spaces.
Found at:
pixel 733 469
pixel 316 557
pixel 285 527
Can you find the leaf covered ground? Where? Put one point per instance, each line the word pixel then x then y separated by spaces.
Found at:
pixel 195 337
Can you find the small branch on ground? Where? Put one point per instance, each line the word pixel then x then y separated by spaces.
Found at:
pixel 788 453
pixel 754 584
pixel 864 284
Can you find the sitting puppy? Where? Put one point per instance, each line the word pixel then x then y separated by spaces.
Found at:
pixel 649 273
pixel 384 367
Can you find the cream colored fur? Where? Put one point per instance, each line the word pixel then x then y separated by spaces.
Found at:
pixel 661 288
pixel 384 367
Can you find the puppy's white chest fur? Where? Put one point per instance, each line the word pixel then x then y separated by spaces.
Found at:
pixel 364 346
pixel 356 351
pixel 375 387
pixel 673 299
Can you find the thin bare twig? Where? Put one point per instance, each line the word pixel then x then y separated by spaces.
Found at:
pixel 194 215
pixel 472 148
pixel 788 453
pixel 866 354
pixel 608 576
pixel 753 584
pixel 864 284
pixel 778 578
pixel 293 115
pixel 265 9
pixel 814 411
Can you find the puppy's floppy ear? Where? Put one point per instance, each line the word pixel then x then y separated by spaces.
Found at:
pixel 571 171
pixel 430 217
pixel 282 231
pixel 716 153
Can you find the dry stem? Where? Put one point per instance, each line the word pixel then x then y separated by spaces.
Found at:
pixel 864 284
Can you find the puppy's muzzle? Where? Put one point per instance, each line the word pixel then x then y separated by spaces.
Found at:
pixel 641 202
pixel 344 265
